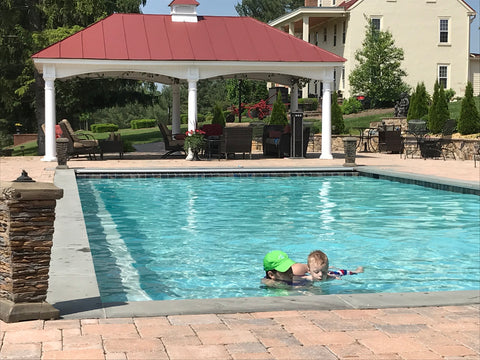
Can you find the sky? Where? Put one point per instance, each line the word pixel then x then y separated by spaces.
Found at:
pixel 227 8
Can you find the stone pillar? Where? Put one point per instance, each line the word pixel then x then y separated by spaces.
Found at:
pixel 350 149
pixel 62 153
pixel 27 214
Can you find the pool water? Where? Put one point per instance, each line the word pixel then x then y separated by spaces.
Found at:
pixel 191 238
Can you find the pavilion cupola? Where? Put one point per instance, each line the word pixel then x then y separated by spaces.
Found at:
pixel 184 10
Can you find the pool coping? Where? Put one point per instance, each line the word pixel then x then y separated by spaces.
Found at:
pixel 73 287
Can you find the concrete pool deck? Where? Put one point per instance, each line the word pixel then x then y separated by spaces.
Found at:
pixel 442 325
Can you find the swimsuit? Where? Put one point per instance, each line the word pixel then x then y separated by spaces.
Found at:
pixel 341 272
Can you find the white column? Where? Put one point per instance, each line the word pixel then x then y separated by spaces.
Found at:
pixel 294 97
pixel 305 37
pixel 291 28
pixel 176 107
pixel 326 122
pixel 193 76
pixel 50 114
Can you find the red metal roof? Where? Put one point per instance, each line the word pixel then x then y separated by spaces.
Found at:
pixel 184 2
pixel 212 38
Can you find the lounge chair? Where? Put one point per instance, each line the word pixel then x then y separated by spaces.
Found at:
pixel 171 145
pixel 78 143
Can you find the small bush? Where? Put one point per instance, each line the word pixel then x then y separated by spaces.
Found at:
pixel 184 118
pixel 449 94
pixel 338 126
pixel 279 112
pixel 351 106
pixel 469 121
pixel 143 123
pixel 102 128
pixel 218 116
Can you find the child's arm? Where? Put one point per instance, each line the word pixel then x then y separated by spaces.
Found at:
pixel 341 272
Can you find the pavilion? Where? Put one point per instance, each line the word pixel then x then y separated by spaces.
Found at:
pixel 185 47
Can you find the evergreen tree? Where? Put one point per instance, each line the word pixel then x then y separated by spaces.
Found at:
pixel 469 120
pixel 378 74
pixel 279 112
pixel 338 126
pixel 439 113
pixel 443 114
pixel 418 103
pixel 432 111
pixel 218 115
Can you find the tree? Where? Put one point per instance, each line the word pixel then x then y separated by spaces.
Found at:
pixel 338 126
pixel 27 26
pixel 438 113
pixel 378 74
pixel 279 112
pixel 266 10
pixel 469 120
pixel 418 103
pixel 218 116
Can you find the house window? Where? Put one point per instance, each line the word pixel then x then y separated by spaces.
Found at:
pixel 443 31
pixel 335 35
pixel 343 77
pixel 443 75
pixel 376 23
pixel 324 34
pixel 333 2
pixel 344 32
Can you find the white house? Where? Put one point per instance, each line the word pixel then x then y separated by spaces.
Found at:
pixel 434 34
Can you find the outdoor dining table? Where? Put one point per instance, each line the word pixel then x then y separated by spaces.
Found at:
pixel 365 143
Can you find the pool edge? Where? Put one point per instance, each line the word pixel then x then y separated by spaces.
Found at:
pixel 74 290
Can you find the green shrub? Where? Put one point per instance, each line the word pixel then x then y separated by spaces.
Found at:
pixel 279 112
pixel 469 120
pixel 218 116
pixel 419 100
pixel 143 123
pixel 449 94
pixel 438 113
pixel 351 106
pixel 102 128
pixel 338 126
pixel 309 104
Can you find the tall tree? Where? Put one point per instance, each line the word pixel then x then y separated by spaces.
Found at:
pixel 418 103
pixel 27 26
pixel 266 10
pixel 469 120
pixel 438 113
pixel 378 74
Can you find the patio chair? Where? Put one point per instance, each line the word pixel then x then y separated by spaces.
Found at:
pixel 236 140
pixel 78 143
pixel 171 145
pixel 390 139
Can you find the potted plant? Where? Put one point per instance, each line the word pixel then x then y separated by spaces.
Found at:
pixel 195 141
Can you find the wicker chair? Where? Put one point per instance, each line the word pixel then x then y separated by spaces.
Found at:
pixel 78 143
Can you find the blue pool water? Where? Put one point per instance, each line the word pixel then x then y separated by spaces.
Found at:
pixel 188 238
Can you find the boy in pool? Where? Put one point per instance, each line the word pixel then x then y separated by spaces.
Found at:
pixel 317 267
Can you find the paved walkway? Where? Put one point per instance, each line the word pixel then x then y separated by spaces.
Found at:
pixel 421 333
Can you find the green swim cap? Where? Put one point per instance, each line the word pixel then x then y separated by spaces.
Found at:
pixel 277 260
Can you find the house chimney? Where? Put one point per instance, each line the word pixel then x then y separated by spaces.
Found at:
pixel 311 3
pixel 184 10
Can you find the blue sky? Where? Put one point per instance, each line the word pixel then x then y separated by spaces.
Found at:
pixel 227 8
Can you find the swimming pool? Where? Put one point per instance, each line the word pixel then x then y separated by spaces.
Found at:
pixel 187 238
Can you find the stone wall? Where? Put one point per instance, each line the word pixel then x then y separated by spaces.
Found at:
pixel 27 214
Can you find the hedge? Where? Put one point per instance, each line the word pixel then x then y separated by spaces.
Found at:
pixel 101 128
pixel 143 123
